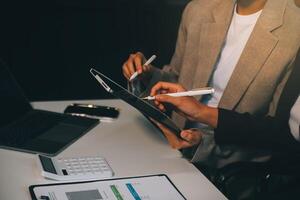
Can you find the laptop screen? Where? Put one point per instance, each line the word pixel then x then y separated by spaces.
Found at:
pixel 13 103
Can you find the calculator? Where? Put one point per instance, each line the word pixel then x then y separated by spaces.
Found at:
pixel 75 168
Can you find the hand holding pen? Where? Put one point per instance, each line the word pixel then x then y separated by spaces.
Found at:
pixel 190 93
pixel 183 103
pixel 135 66
pixel 147 63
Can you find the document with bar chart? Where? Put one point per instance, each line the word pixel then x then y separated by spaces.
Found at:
pixel 155 187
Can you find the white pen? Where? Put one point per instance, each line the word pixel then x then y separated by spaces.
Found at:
pixel 194 92
pixel 148 62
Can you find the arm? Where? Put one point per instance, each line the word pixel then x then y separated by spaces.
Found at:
pixel 230 127
pixel 150 75
pixel 171 72
pixel 168 72
pixel 250 130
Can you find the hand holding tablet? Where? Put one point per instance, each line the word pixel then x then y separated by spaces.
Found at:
pixel 159 118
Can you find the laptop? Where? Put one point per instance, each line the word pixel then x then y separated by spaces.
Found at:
pixel 147 109
pixel 24 128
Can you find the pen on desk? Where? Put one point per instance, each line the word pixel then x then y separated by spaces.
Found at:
pixel 148 62
pixel 194 92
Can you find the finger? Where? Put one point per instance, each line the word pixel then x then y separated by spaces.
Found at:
pixel 130 66
pixel 170 87
pixel 189 137
pixel 162 107
pixel 184 144
pixel 174 141
pixel 176 101
pixel 126 72
pixel 192 137
pixel 159 105
pixel 137 60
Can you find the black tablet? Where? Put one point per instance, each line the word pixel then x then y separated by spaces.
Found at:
pixel 141 105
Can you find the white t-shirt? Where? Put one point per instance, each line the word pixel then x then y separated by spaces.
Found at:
pixel 294 121
pixel 238 34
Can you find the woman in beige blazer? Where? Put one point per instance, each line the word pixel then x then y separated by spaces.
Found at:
pixel 262 69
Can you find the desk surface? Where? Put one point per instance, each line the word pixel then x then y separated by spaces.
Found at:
pixel 131 145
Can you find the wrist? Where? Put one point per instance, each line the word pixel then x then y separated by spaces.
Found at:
pixel 207 115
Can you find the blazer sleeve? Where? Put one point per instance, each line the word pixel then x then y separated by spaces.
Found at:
pixel 170 72
pixel 245 129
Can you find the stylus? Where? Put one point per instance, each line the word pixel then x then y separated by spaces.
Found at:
pixel 194 92
pixel 148 62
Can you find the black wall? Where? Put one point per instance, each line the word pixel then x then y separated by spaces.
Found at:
pixel 50 45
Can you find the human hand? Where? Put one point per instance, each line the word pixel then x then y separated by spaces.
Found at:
pixel 166 87
pixel 135 63
pixel 188 107
pixel 189 138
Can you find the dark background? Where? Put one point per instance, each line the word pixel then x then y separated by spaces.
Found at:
pixel 50 45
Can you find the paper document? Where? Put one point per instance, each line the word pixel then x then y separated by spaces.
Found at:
pixel 154 187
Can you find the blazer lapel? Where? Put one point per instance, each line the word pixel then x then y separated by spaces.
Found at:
pixel 256 52
pixel 212 36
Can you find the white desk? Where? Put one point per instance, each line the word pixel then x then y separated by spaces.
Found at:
pixel 131 145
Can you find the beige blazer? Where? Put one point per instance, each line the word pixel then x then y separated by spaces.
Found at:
pixel 263 67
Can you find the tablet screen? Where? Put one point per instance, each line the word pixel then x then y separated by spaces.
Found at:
pixel 141 105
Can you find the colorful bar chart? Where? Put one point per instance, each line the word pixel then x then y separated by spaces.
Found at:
pixel 116 192
pixel 133 192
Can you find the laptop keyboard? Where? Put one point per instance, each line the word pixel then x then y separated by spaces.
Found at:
pixel 30 126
